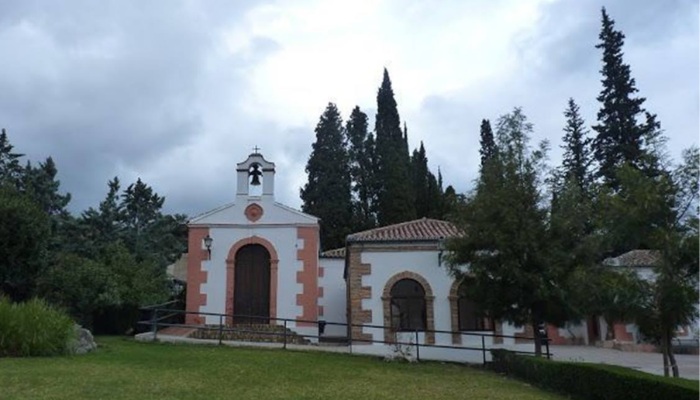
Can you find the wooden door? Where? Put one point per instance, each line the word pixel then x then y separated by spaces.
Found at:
pixel 251 296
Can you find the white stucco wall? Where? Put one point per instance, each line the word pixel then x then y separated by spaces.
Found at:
pixel 334 295
pixel 278 225
pixel 386 264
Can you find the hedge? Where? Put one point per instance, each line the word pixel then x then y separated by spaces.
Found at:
pixel 34 328
pixel 593 381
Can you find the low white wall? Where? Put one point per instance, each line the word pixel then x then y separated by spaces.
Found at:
pixel 334 296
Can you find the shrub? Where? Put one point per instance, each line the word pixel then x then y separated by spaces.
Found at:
pixel 105 295
pixel 593 381
pixel 24 230
pixel 34 328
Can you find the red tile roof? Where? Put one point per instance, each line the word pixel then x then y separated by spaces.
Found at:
pixel 335 253
pixel 424 229
pixel 635 258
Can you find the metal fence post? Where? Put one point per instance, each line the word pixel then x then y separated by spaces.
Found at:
pixel 483 348
pixel 154 324
pixel 221 328
pixel 284 346
pixel 417 347
pixel 350 336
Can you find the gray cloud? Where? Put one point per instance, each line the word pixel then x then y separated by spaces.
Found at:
pixel 171 91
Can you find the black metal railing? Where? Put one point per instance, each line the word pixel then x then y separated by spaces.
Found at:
pixel 164 318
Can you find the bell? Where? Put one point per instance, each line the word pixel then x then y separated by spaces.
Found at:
pixel 255 173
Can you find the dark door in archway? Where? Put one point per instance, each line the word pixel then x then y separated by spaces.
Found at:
pixel 251 295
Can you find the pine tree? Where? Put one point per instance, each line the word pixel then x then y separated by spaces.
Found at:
pixel 576 160
pixel 361 159
pixel 620 138
pixel 571 213
pixel 141 208
pixel 395 195
pixel 327 194
pixel 487 142
pixel 41 184
pixel 10 169
pixel 507 248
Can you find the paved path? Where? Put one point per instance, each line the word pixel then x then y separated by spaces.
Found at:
pixel 647 362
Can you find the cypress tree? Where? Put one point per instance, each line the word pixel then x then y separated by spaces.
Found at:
pixel 419 169
pixel 361 159
pixel 487 142
pixel 327 194
pixel 395 197
pixel 577 154
pixel 434 197
pixel 620 136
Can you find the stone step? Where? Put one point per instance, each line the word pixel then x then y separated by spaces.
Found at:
pixel 250 333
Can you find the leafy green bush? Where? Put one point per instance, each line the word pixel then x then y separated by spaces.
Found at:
pixel 593 381
pixel 34 328
pixel 105 294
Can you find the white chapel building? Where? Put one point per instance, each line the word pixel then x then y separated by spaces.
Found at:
pixel 257 257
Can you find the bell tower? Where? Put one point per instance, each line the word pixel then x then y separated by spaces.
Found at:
pixel 252 174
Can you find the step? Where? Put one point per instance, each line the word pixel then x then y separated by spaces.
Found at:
pixel 250 333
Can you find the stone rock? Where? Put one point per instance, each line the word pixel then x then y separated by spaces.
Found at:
pixel 85 342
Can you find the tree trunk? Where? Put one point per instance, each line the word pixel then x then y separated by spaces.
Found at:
pixel 664 352
pixel 538 339
pixel 610 331
pixel 671 356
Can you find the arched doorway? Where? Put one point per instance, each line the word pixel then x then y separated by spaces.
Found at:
pixel 251 295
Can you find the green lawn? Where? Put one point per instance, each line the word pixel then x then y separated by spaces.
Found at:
pixel 124 369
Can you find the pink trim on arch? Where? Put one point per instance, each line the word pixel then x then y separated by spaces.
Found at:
pixel 231 266
pixel 195 276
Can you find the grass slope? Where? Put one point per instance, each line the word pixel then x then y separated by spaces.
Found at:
pixel 124 369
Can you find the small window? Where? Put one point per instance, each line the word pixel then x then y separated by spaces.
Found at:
pixel 408 306
pixel 471 316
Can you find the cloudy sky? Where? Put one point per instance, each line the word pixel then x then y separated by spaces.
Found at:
pixel 177 92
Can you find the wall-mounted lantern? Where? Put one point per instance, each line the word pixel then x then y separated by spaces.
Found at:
pixel 207 243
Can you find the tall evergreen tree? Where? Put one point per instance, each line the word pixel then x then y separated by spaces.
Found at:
pixel 102 226
pixel 434 197
pixel 621 136
pixel 507 248
pixel 141 207
pixel 41 184
pixel 426 187
pixel 488 144
pixel 419 170
pixel 327 194
pixel 10 169
pixel 577 154
pixel 362 171
pixel 395 197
